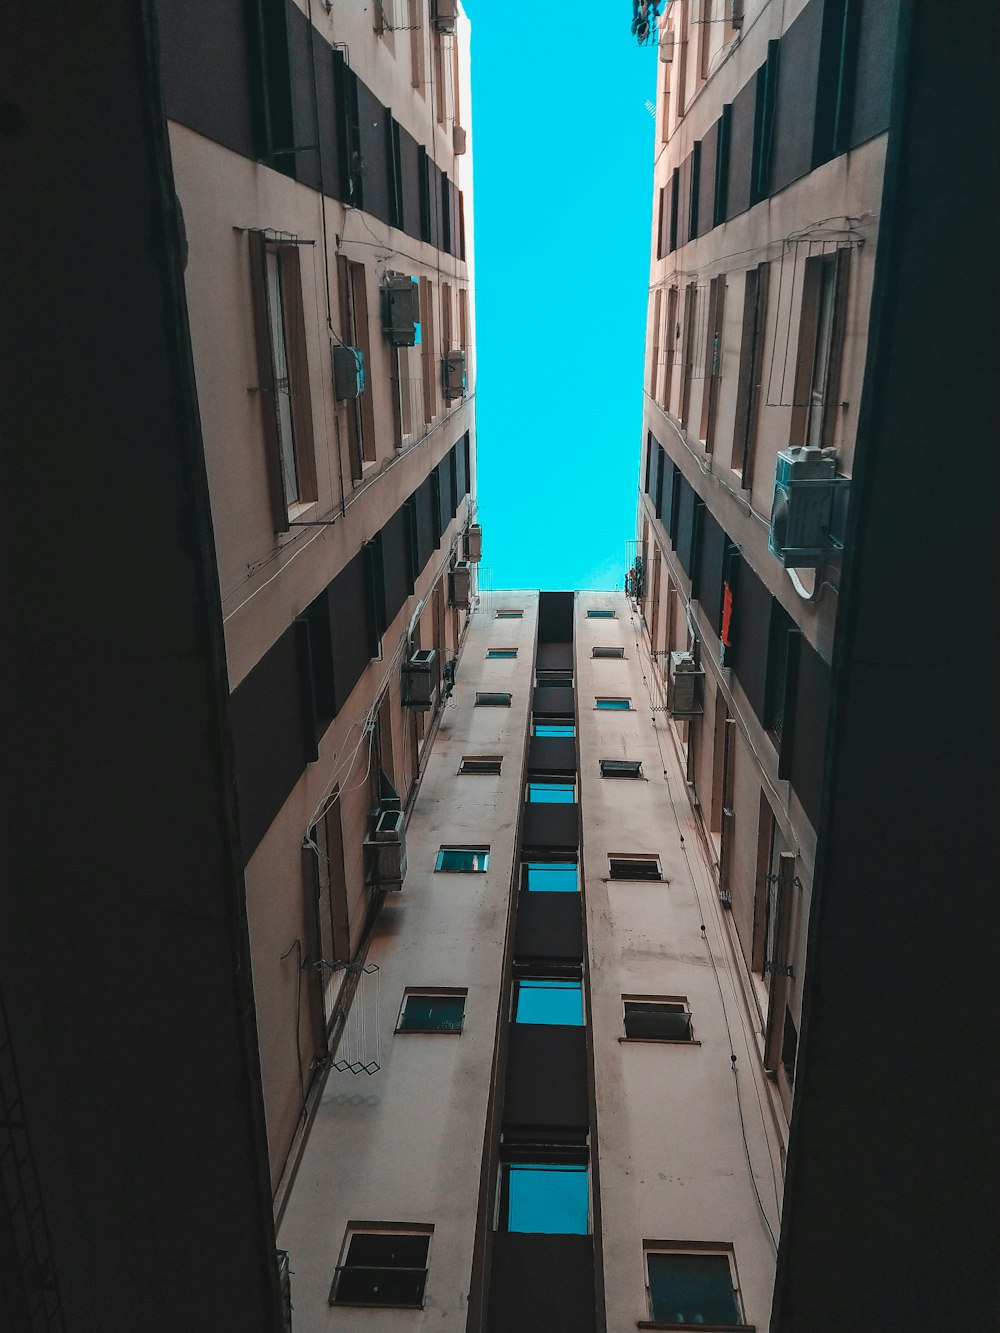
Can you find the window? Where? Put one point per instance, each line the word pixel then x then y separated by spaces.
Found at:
pixel 784 641
pixel 492 699
pixel 551 791
pixel 432 1011
pixel 694 1288
pixel 621 768
pixel 601 615
pixel 282 375
pixel 500 654
pixel 608 651
pixel 821 336
pixel 751 372
pixel 562 679
pixel 657 1020
pixel 463 859
pixel 509 615
pixel 550 1198
pixel 550 877
pixel 628 866
pixel 381 1267
pixel 789 1047
pixel 548 1000
pixel 481 763
pixel 611 705
pixel 556 726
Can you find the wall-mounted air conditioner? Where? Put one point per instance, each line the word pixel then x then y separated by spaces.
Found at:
pixel 420 678
pixel 474 544
pixel 445 15
pixel 684 686
pixel 401 310
pixel 459 139
pixel 386 851
pixel 460 584
pixel 804 483
pixel 453 374
pixel 348 372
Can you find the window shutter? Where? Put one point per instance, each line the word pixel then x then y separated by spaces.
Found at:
pixel 265 381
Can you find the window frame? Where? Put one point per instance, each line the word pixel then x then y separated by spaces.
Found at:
pixel 621 768
pixel 638 858
pixel 482 759
pixel 566 729
pixel 527 1159
pixel 509 613
pixel 608 652
pixel 537 860
pixel 598 613
pixel 406 1229
pixel 432 992
pixel 612 703
pixel 441 869
pixel 707 1249
pixel 493 699
pixel 678 1005
pixel 289 320
pixel 501 654
pixel 561 780
pixel 537 981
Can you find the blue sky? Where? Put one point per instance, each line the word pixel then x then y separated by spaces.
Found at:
pixel 563 149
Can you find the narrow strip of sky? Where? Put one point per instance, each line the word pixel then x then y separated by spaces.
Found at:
pixel 563 184
pixel 563 148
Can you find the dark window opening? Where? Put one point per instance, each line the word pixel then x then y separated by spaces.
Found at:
pixel 424 1012
pixel 691 1288
pixel 382 1268
pixel 657 1020
pixel 635 867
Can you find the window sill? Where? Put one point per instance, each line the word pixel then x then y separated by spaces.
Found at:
pixel 427 1032
pixel 665 1041
pixel 298 512
pixel 703 1328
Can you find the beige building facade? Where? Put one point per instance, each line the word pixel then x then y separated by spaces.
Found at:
pixel 568 1126
pixel 322 161
pixel 771 146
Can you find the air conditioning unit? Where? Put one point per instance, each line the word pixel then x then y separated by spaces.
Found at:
pixel 446 15
pixel 401 310
pixel 684 686
pixel 420 679
pixel 386 850
pixel 474 544
pixel 348 372
pixel 804 483
pixel 459 139
pixel 460 584
pixel 453 374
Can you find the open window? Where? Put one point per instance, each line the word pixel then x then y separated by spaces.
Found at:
pixel 693 1286
pixel 652 1018
pixel 382 1267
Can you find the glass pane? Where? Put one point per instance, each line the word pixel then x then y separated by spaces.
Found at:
pixel 551 793
pixel 551 876
pixel 549 1199
pixel 691 1289
pixel 614 705
pixel 555 729
pixel 502 653
pixel 539 1000
pixel 463 858
pixel 282 388
pixel 600 615
pixel 432 1013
